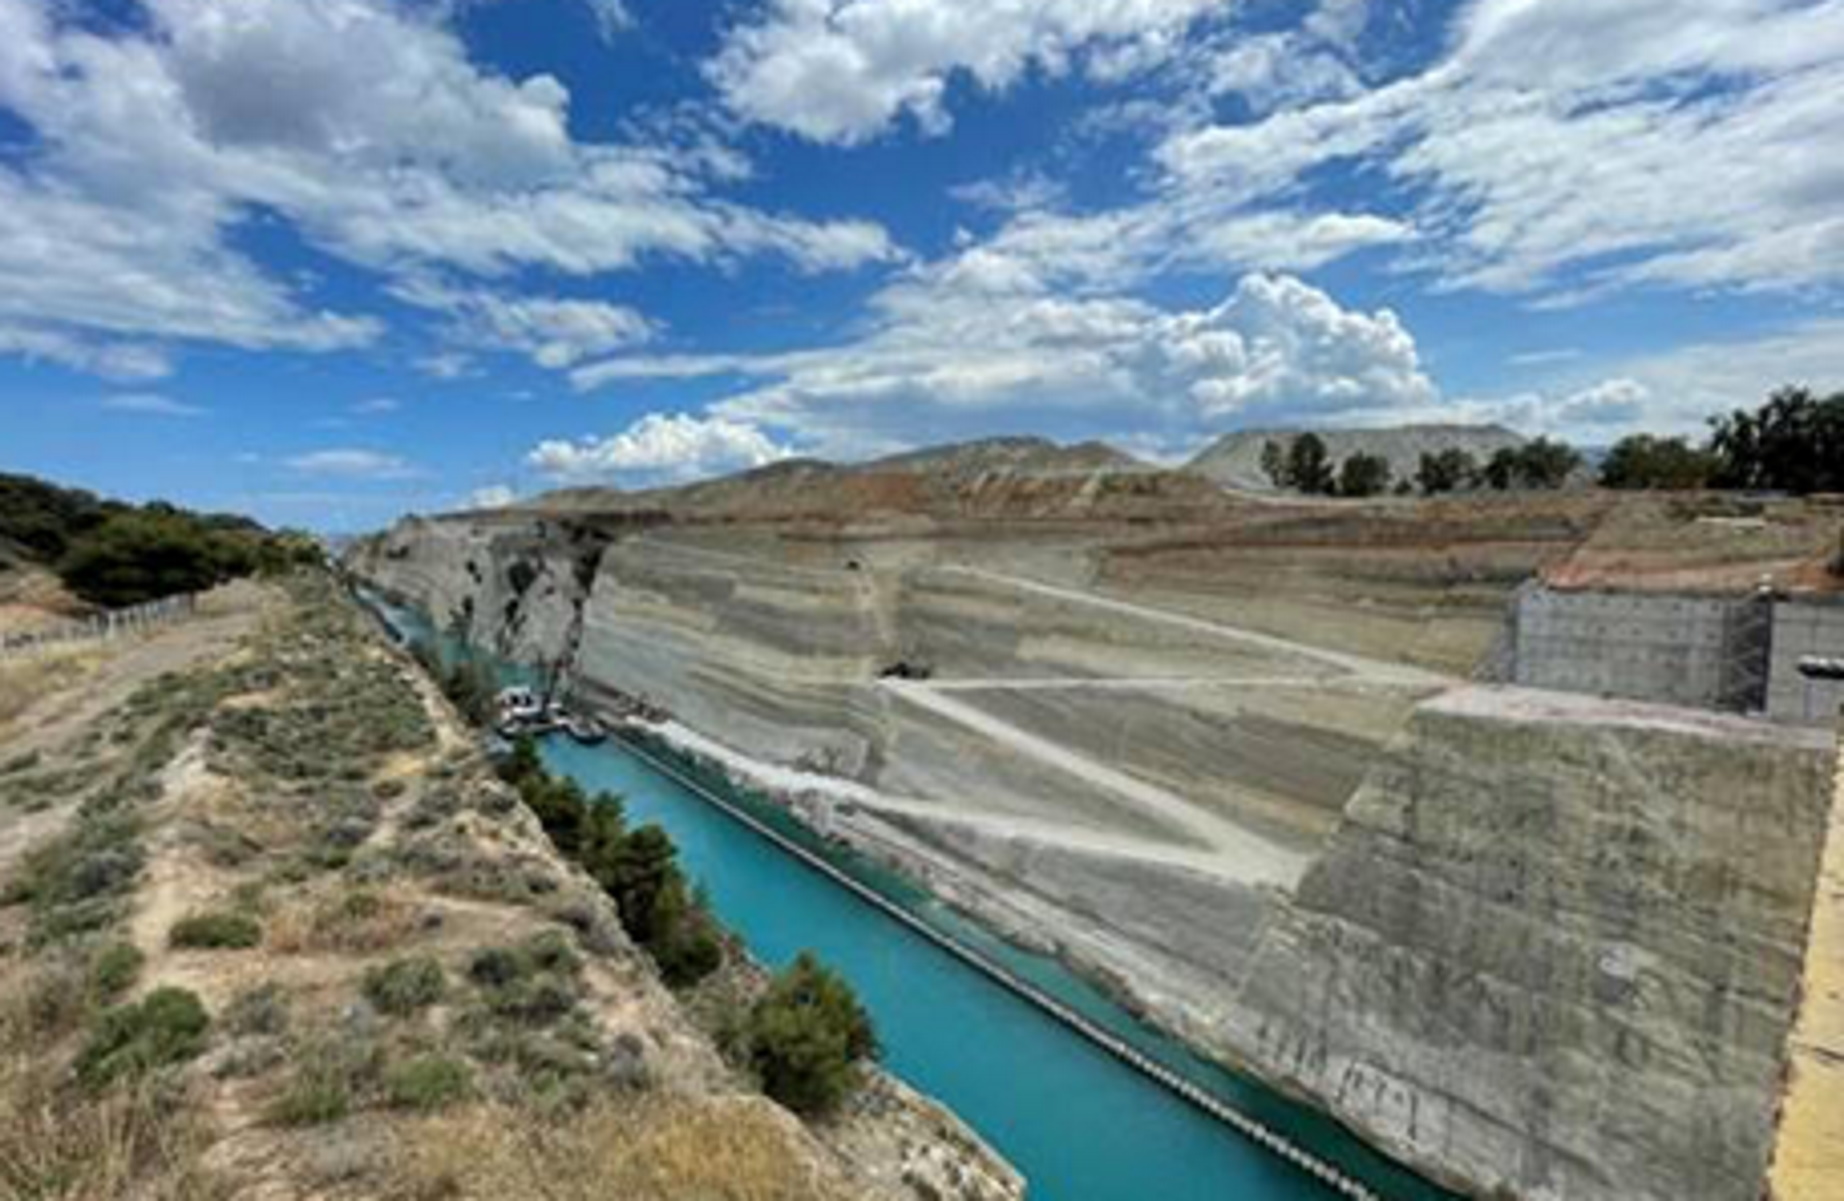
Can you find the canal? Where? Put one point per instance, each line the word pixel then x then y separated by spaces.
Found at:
pixel 1080 1124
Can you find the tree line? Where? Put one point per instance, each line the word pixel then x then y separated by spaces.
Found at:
pixel 114 554
pixel 1305 465
pixel 1792 443
pixel 806 1037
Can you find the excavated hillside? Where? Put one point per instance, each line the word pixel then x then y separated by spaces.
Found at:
pixel 271 928
pixel 1225 758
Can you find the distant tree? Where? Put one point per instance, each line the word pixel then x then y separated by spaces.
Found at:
pixel 1274 463
pixel 1793 443
pixel 1309 466
pixel 1364 475
pixel 1641 461
pixel 1540 464
pixel 1501 470
pixel 806 1036
pixel 1447 471
pixel 1547 463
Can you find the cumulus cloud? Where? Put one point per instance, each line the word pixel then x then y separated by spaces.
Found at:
pixel 361 123
pixel 659 447
pixel 843 71
pixel 353 463
pixel 1578 146
pixel 152 404
pixel 970 348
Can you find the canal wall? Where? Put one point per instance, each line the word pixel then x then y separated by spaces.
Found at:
pixel 1554 948
pixel 1548 948
pixel 1808 1163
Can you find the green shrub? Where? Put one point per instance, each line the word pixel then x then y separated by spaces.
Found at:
pixel 215 931
pixel 259 1010
pixel 330 1079
pixel 403 986
pixel 806 1035
pixel 167 1026
pixel 113 970
pixel 428 1083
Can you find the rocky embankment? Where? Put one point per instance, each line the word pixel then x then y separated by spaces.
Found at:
pixel 1544 946
pixel 271 927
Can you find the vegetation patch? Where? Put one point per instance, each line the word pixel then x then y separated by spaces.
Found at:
pixel 428 1083
pixel 638 868
pixel 166 1027
pixel 77 881
pixel 215 931
pixel 405 986
pixel 806 1037
pixel 113 969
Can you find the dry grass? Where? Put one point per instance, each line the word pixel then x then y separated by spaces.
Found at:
pixel 354 922
pixel 144 1140
pixel 25 680
pixel 655 1148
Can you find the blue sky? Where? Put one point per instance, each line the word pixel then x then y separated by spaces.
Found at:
pixel 329 260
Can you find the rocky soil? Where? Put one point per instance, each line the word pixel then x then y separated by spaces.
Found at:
pixel 271 928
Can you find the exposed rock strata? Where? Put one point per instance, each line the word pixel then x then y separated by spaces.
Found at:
pixel 1548 948
pixel 1554 946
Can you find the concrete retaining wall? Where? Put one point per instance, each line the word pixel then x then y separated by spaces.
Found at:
pixel 1702 652
pixel 1805 628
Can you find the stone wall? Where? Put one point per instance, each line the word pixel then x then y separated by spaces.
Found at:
pixel 1702 652
pixel 1554 948
pixel 1802 628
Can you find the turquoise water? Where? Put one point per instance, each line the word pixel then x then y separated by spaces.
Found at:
pixel 1081 1125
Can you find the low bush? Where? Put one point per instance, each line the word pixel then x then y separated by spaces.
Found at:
pixel 114 967
pixel 330 1080
pixel 403 986
pixel 215 931
pixel 167 1026
pixel 427 1083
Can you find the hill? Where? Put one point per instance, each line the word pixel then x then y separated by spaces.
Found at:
pixel 1234 460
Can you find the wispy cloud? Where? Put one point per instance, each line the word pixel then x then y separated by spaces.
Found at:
pixel 152 404
pixel 354 463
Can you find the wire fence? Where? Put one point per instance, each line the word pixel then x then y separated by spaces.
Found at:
pixel 103 627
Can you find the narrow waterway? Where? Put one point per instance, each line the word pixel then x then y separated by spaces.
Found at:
pixel 1078 1122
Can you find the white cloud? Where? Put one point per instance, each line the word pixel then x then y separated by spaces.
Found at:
pixel 354 463
pixel 361 123
pixel 447 365
pixel 611 18
pixel 493 496
pixel 1637 142
pixel 659 447
pixel 376 406
pixel 555 332
pixel 967 348
pixel 843 70
pixel 151 403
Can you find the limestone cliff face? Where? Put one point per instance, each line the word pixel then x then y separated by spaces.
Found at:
pixel 1553 948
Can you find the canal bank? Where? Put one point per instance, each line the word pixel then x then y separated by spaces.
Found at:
pixel 1078 1117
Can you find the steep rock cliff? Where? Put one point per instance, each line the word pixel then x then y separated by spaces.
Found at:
pixel 1553 948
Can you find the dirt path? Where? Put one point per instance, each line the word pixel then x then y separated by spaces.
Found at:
pixel 1250 857
pixel 1357 665
pixel 793 781
pixel 51 724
